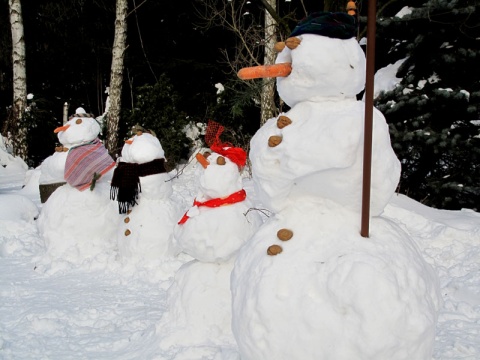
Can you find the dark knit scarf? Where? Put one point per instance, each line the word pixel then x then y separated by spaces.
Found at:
pixel 125 185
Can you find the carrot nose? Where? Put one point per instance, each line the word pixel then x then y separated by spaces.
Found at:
pixel 201 159
pixel 61 128
pixel 265 71
pixel 129 141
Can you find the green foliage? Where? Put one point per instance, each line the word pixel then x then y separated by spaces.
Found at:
pixel 434 112
pixel 237 112
pixel 156 109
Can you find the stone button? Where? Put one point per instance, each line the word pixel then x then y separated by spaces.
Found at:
pixel 283 121
pixel 274 250
pixel 221 160
pixel 284 234
pixel 274 140
pixel 279 46
pixel 292 42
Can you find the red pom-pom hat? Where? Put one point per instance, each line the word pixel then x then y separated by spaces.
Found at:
pixel 234 154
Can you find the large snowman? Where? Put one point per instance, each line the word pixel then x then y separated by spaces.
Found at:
pixel 87 169
pixel 307 285
pixel 143 189
pixel 219 222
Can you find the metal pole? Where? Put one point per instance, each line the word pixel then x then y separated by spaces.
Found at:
pixel 65 113
pixel 367 149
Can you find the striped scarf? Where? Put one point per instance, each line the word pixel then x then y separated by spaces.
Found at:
pixel 86 161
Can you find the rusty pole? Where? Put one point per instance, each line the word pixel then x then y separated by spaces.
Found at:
pixel 367 144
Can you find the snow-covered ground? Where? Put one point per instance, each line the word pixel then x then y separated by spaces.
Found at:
pixel 76 283
pixel 106 311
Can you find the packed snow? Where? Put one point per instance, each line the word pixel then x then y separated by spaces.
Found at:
pixel 100 309
pixel 225 266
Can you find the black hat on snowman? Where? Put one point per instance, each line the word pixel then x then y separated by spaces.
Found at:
pixel 337 25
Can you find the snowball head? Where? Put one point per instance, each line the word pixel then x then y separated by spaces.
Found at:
pixel 218 181
pixel 81 130
pixel 322 67
pixel 142 149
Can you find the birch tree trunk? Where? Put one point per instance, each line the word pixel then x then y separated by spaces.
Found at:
pixel 116 77
pixel 17 128
pixel 267 97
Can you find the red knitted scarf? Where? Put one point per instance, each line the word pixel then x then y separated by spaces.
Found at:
pixel 231 199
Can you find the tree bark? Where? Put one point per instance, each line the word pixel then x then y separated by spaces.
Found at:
pixel 17 130
pixel 267 102
pixel 116 77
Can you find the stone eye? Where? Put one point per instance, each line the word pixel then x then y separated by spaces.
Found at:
pixel 221 160
pixel 79 121
pixel 206 154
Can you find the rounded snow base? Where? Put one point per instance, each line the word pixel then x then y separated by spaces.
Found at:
pixel 62 220
pixel 332 294
pixel 199 308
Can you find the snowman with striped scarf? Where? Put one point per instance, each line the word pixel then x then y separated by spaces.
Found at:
pixel 84 198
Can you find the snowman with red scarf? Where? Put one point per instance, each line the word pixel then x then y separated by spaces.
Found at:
pixel 217 224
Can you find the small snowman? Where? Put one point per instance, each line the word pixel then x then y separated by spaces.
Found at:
pixel 83 199
pixel 211 231
pixel 143 189
pixel 307 285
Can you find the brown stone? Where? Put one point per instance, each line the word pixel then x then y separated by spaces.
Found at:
pixel 274 250
pixel 283 121
pixel 129 211
pixel 279 46
pixel 274 140
pixel 206 154
pixel 284 234
pixel 127 232
pixel 126 220
pixel 221 160
pixel 78 121
pixel 292 42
